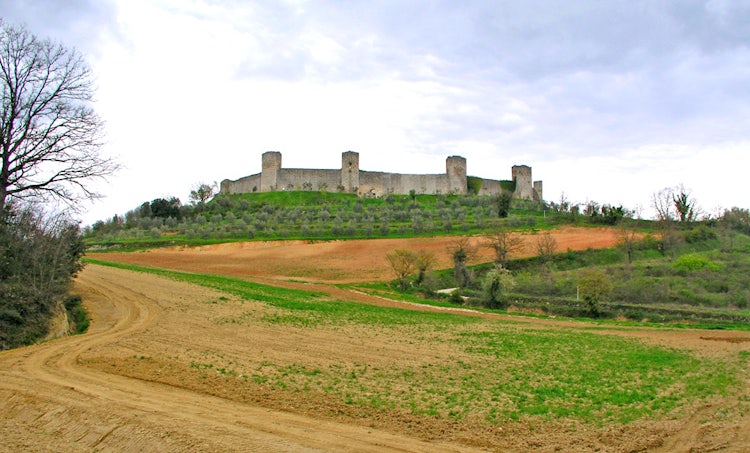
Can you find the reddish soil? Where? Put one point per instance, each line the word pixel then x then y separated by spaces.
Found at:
pixel 335 261
pixel 134 381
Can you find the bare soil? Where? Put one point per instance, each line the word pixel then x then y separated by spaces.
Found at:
pixel 336 261
pixel 138 380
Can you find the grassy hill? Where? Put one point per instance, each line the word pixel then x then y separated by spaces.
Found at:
pixel 687 272
pixel 319 216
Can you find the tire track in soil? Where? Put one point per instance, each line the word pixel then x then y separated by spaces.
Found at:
pixel 49 381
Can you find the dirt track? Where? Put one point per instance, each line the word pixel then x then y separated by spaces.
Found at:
pixel 53 399
pixel 134 383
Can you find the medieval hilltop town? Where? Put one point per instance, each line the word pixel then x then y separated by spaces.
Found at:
pixel 350 179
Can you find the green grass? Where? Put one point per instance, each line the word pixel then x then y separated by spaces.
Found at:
pixel 591 377
pixel 477 369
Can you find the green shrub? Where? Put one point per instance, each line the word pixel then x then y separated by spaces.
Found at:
pixel 473 184
pixel 495 284
pixel 594 287
pixel 457 297
pixel 700 233
pixel 77 314
pixel 692 262
pixel 11 316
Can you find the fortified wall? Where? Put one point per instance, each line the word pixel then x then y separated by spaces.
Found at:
pixel 351 179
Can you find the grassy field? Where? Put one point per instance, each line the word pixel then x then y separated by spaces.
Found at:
pixel 467 368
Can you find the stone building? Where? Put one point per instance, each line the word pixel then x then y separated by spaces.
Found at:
pixel 351 179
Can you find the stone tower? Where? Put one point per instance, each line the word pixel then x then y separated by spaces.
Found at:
pixel 270 171
pixel 455 168
pixel 538 195
pixel 350 171
pixel 522 178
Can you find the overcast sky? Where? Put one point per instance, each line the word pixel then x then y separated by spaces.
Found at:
pixel 608 101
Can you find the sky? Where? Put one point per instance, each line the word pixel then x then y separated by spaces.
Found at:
pixel 609 101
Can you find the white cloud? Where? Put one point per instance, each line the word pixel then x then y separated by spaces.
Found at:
pixel 607 101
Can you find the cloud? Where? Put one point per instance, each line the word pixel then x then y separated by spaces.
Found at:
pixel 585 92
pixel 76 23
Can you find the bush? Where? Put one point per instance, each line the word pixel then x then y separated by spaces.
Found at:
pixel 495 284
pixel 11 316
pixel 700 233
pixel 457 297
pixel 692 262
pixel 76 314
pixel 594 287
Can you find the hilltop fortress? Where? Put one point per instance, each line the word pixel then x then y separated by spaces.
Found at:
pixel 350 179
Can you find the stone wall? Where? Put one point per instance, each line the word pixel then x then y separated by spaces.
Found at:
pixel 308 179
pixel 375 184
pixel 490 187
pixel 248 184
pixel 349 178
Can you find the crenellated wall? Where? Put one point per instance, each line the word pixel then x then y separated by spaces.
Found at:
pixel 351 179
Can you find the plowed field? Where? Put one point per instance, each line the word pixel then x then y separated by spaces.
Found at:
pixel 335 261
pixel 170 366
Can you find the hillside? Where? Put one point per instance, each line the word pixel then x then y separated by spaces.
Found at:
pixel 692 271
pixel 171 366
pixel 313 215
pixel 309 344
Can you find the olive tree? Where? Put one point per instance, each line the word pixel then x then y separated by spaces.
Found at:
pixel 50 136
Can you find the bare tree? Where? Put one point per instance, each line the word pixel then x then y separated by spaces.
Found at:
pixel 403 265
pixel 462 251
pixel 628 237
pixel 50 136
pixel 546 246
pixel 424 261
pixel 662 203
pixel 504 243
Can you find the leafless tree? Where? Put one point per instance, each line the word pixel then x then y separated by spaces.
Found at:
pixel 462 250
pixel 628 237
pixel 50 136
pixel 504 243
pixel 424 261
pixel 403 264
pixel 662 203
pixel 546 246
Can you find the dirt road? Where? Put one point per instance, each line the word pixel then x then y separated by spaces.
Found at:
pixel 53 399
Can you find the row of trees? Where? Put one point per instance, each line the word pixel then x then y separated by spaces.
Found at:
pixel 503 242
